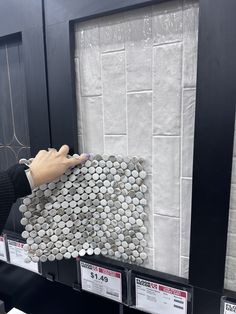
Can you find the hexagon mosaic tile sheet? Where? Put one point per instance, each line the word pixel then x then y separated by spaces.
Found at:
pixel 95 208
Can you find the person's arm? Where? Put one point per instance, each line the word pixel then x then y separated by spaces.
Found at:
pixel 46 167
pixel 13 184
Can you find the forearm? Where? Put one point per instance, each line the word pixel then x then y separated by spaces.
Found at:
pixel 13 184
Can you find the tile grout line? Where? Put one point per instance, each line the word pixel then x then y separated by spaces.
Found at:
pixel 101 72
pixel 79 101
pixel 152 172
pixel 167 216
pixel 126 95
pixel 181 145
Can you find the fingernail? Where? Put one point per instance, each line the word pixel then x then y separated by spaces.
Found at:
pixel 86 155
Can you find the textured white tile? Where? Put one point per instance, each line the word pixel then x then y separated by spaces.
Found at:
pixel 233 176
pixel 233 197
pixel 149 263
pixel 149 211
pixel 167 22
pixel 78 95
pixel 112 30
pixel 166 239
pixel 81 144
pixel 139 107
pixel 138 47
pixel 167 89
pixel 166 175
pixel 230 273
pixel 231 244
pixel 92 114
pixel 116 144
pixel 114 92
pixel 184 271
pixel 88 50
pixel 190 40
pixel 189 100
pixel 232 221
pixel 186 198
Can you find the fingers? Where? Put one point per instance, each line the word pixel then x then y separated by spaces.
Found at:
pixel 73 161
pixel 64 150
pixel 53 150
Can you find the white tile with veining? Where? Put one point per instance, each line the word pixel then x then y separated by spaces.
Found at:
pixel 189 100
pixel 167 89
pixel 166 239
pixel 114 92
pixel 166 175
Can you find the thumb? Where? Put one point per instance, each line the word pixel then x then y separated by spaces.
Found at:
pixel 73 161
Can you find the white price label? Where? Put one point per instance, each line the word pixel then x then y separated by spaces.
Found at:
pixel 229 308
pixel 102 281
pixel 18 255
pixel 156 298
pixel 3 253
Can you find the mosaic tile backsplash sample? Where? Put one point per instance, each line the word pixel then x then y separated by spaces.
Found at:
pixel 95 208
pixel 136 85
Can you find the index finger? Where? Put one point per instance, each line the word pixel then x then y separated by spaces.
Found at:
pixel 64 150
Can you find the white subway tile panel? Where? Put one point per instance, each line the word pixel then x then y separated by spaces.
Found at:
pixel 132 71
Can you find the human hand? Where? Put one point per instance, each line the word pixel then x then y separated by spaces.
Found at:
pixel 49 165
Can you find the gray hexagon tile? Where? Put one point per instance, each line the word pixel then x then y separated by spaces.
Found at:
pixel 95 208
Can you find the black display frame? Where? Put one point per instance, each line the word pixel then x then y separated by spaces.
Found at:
pixel 25 20
pixel 214 124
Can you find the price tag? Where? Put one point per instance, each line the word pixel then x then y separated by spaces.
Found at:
pixel 3 253
pixel 229 308
pixel 156 298
pixel 18 255
pixel 102 281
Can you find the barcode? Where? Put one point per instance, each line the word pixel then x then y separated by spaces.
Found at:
pixel 178 307
pixel 114 294
pixel 179 301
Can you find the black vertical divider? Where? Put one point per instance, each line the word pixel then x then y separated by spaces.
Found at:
pixel 213 150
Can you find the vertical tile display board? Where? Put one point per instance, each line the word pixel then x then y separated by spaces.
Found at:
pixel 14 133
pixel 136 86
